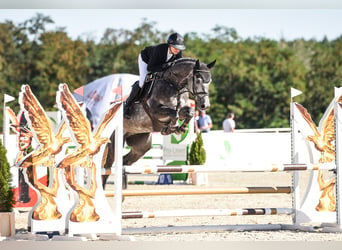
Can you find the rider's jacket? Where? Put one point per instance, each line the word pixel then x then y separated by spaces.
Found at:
pixel 156 56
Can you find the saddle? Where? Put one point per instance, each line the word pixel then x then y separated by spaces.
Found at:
pixel 146 90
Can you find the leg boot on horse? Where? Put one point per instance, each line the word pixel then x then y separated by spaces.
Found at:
pixel 132 98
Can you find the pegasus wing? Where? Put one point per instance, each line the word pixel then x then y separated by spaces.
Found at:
pixel 77 121
pixel 108 117
pixel 39 120
pixel 75 158
pixel 328 128
pixel 61 130
pixel 307 118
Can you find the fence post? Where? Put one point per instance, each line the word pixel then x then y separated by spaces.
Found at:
pixel 338 155
pixel 294 159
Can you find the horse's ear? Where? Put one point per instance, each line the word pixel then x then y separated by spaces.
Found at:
pixel 210 65
pixel 197 64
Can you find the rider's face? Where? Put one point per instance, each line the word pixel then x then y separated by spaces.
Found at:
pixel 174 50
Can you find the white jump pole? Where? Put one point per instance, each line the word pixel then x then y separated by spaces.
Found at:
pixel 118 172
pixel 204 191
pixel 206 212
pixel 234 167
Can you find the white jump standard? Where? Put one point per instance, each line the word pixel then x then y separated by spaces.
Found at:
pixel 300 212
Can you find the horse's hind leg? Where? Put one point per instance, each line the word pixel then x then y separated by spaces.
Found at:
pixel 140 144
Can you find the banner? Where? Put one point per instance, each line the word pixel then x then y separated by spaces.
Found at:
pixel 98 95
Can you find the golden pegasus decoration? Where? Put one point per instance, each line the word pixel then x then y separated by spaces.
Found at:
pixel 44 156
pixel 89 145
pixel 324 142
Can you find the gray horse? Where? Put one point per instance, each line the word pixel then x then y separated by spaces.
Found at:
pixel 162 106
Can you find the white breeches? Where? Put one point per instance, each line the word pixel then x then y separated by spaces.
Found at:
pixel 142 71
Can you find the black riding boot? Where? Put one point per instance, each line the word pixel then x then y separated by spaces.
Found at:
pixel 132 98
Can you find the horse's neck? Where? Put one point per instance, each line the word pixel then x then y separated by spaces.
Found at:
pixel 179 80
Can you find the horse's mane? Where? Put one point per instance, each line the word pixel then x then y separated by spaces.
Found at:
pixel 188 64
pixel 185 59
pixel 206 77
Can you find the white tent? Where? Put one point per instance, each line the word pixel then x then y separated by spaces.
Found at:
pixel 100 93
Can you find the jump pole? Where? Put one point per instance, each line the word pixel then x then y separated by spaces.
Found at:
pixel 203 191
pixel 142 182
pixel 234 167
pixel 206 212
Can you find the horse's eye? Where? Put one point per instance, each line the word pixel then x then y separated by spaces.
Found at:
pixel 199 80
pixel 206 82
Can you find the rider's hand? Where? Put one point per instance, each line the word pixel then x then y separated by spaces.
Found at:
pixel 167 65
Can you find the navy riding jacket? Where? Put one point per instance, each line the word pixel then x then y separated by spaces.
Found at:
pixel 156 56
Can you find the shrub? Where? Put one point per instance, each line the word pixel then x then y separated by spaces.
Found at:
pixel 197 151
pixel 6 195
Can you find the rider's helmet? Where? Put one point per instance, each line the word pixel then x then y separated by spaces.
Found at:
pixel 176 40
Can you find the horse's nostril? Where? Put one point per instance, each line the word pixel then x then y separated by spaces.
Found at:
pixel 203 106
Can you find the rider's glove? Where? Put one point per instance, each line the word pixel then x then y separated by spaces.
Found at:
pixel 167 65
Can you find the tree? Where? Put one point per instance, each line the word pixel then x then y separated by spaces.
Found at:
pixel 252 77
pixel 324 75
pixel 59 59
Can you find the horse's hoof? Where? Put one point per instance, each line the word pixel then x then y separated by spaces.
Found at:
pixel 180 130
pixel 165 131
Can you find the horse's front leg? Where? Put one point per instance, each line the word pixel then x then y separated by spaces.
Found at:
pixel 169 129
pixel 172 115
pixel 185 114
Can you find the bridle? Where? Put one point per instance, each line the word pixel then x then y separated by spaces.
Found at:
pixel 184 88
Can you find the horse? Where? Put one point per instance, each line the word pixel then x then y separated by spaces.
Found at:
pixel 159 110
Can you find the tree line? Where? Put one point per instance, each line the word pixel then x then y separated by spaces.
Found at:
pixel 252 76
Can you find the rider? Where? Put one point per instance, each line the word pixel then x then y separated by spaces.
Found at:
pixel 154 59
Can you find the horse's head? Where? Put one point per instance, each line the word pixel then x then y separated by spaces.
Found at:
pixel 194 76
pixel 200 84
